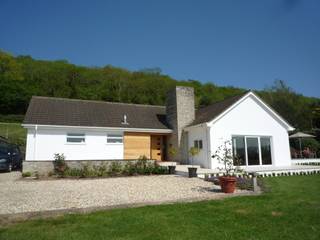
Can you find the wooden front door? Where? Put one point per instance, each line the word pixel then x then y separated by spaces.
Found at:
pixel 157 147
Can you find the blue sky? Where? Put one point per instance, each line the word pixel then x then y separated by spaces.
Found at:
pixel 241 43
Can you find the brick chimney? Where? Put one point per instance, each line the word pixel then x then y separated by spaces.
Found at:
pixel 180 112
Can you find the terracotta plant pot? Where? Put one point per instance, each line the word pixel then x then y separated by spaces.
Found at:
pixel 228 184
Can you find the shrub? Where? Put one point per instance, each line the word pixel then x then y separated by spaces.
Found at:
pixel 159 169
pixel 59 164
pixel 172 152
pixel 142 166
pixel 85 171
pixel 129 168
pixel 244 183
pixel 193 151
pixel 101 170
pixel 26 174
pixel 73 172
pixel 115 168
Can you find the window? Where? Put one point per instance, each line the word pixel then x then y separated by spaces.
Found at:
pixel 265 150
pixel 114 138
pixel 249 150
pixel 76 138
pixel 200 144
pixel 239 151
pixel 253 151
pixel 197 144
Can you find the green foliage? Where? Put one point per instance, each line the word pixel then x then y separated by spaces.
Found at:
pixel 193 151
pixel 295 108
pixel 224 156
pixel 11 118
pixel 22 77
pixel 172 151
pixel 59 164
pixel 139 167
pixel 10 69
pixel 115 168
pixel 26 174
pixel 310 143
pixel 15 134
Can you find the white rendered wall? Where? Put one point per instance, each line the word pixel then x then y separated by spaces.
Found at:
pixel 249 118
pixel 46 142
pixel 200 132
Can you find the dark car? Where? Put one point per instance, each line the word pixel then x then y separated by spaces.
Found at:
pixel 10 157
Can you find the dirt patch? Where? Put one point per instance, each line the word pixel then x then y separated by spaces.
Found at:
pixel 242 211
pixel 276 214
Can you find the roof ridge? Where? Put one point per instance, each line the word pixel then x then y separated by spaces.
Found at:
pixel 97 101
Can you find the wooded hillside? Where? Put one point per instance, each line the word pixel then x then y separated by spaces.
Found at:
pixel 22 76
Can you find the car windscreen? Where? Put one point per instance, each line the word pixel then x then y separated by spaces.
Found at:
pixel 4 148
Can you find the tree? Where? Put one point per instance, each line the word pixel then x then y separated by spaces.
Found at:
pixel 22 77
pixel 193 151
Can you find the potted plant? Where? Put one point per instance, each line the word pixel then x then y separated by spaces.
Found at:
pixel 59 163
pixel 225 157
pixel 193 151
pixel 172 152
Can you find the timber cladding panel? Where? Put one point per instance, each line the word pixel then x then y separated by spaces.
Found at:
pixel 136 145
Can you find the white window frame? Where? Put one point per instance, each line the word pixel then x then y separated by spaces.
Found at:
pixel 116 136
pixel 259 146
pixel 76 136
pixel 196 144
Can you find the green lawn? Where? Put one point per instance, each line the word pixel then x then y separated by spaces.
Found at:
pixel 14 132
pixel 290 210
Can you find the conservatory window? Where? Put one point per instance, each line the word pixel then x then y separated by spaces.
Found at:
pixel 251 150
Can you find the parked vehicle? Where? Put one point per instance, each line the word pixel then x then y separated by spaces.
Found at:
pixel 10 157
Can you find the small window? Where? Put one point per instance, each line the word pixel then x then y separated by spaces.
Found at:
pixel 114 138
pixel 200 144
pixel 76 138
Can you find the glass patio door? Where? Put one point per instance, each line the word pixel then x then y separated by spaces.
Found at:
pixel 253 150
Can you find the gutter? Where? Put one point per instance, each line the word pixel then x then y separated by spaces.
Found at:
pixel 149 130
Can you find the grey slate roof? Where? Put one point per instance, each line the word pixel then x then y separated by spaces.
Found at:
pixel 72 112
pixel 206 114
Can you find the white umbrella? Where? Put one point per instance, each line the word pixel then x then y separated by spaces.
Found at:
pixel 301 135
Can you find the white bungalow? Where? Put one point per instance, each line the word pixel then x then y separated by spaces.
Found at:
pixel 93 130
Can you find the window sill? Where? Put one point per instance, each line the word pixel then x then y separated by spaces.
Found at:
pixel 75 144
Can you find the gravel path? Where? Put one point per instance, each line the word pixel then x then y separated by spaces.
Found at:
pixel 19 196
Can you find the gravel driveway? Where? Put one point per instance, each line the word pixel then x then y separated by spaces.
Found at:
pixel 17 196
